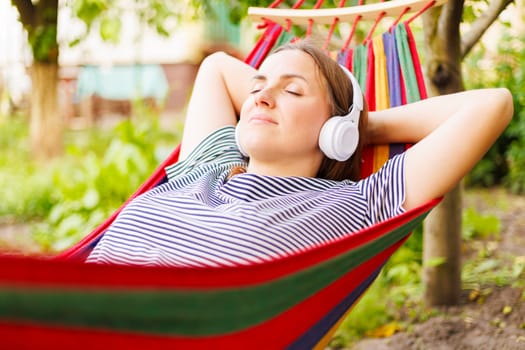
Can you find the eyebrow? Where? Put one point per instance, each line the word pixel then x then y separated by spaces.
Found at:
pixel 282 77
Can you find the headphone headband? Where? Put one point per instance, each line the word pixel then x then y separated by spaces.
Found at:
pixel 357 102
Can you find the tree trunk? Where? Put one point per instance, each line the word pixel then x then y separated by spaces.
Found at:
pixel 40 20
pixel 442 228
pixel 442 240
pixel 46 123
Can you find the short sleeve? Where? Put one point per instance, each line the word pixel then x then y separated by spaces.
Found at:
pixel 385 191
pixel 218 147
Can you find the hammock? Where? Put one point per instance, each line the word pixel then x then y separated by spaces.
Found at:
pixel 294 302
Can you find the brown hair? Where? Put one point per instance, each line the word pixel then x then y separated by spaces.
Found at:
pixel 340 97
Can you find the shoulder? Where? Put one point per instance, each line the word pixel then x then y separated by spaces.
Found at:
pixel 218 147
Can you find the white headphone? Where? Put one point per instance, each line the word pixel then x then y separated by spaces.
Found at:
pixel 339 135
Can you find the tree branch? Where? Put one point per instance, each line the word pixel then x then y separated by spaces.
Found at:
pixel 449 26
pixel 479 26
pixel 26 9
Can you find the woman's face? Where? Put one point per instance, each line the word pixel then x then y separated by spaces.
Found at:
pixel 287 106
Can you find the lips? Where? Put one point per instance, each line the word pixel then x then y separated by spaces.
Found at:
pixel 262 119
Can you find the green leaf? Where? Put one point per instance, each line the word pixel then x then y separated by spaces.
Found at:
pixel 486 265
pixel 76 41
pixel 110 29
pixel 89 10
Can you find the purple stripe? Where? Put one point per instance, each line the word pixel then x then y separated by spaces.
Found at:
pixel 267 42
pixel 393 69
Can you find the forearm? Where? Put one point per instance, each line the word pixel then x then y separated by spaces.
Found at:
pixel 220 88
pixel 451 134
pixel 236 76
pixel 413 122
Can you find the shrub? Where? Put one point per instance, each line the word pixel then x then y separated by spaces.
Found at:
pixel 505 162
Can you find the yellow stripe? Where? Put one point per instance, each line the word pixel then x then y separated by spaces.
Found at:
pixel 381 77
pixel 381 152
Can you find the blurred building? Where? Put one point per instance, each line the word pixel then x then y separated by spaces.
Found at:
pixel 98 78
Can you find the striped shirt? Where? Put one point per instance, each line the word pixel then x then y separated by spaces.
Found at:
pixel 200 218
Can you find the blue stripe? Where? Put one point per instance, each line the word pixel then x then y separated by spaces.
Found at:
pixel 312 337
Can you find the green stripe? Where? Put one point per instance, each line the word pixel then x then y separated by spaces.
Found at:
pixel 194 313
pixel 360 65
pixel 406 63
pixel 284 38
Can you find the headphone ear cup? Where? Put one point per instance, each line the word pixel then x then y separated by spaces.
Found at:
pixel 237 141
pixel 339 138
pixel 326 137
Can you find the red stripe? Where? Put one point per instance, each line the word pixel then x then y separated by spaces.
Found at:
pixel 403 88
pixel 367 167
pixel 416 62
pixel 350 60
pixel 264 45
pixel 370 79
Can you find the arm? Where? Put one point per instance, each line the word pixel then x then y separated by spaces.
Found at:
pixel 221 86
pixel 451 133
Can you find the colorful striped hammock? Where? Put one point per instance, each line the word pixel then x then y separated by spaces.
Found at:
pixel 295 302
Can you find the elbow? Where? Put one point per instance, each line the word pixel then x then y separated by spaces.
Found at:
pixel 213 59
pixel 506 105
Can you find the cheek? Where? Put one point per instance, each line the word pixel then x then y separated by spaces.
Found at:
pixel 246 106
pixel 313 117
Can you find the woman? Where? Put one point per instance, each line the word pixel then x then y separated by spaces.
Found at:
pixel 222 208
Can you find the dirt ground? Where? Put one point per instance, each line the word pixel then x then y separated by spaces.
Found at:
pixel 495 323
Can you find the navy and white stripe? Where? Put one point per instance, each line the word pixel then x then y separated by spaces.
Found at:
pixel 199 218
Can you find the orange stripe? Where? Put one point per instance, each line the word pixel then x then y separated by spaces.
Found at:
pixel 381 155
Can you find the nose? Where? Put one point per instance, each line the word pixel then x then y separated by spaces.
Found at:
pixel 265 98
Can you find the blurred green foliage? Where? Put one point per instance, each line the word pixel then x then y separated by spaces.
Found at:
pixel 476 225
pixel 105 16
pixel 504 163
pixel 26 189
pixel 68 197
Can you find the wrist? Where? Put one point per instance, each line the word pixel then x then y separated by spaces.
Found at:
pixel 374 128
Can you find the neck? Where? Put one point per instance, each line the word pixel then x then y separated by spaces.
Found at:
pixel 305 168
